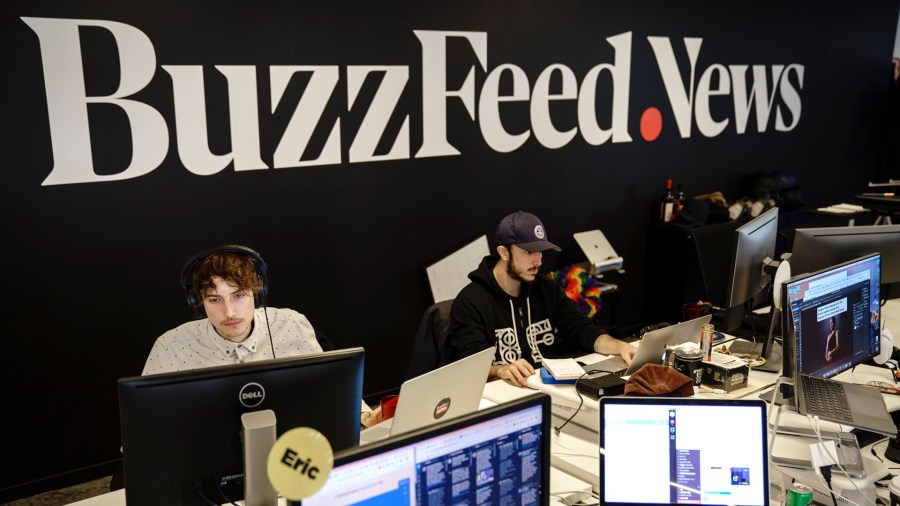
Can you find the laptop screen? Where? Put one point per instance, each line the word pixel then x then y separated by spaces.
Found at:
pixel 500 455
pixel 835 316
pixel 670 451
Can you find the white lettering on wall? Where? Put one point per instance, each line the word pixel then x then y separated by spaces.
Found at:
pixel 771 88
pixel 67 100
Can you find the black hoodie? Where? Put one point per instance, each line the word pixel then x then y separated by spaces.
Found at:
pixel 541 322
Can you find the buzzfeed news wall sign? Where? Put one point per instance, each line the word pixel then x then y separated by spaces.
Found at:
pixel 757 93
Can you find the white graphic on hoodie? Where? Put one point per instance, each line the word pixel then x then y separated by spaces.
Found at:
pixel 539 333
pixel 536 334
pixel 508 345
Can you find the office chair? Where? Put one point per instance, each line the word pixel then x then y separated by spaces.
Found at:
pixel 429 346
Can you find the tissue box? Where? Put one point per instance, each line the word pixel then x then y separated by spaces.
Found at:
pixel 725 372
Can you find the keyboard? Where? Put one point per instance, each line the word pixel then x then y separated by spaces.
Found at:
pixel 825 397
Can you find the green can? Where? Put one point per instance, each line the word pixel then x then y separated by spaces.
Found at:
pixel 799 494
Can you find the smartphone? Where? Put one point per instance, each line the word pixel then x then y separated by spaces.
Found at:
pixel 849 456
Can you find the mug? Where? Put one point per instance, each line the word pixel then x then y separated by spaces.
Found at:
pixel 389 406
pixel 694 310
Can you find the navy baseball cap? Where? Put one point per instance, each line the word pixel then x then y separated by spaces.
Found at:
pixel 524 230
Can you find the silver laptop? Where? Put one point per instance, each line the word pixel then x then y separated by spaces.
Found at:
pixel 598 250
pixel 441 394
pixel 652 348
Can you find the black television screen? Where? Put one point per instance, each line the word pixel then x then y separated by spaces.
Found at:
pixel 817 248
pixel 499 455
pixel 181 432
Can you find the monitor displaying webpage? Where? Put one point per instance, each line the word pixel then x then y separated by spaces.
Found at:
pixel 835 314
pixel 673 453
pixel 497 461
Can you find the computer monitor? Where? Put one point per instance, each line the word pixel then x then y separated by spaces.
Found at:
pixel 817 248
pixel 754 244
pixel 181 432
pixel 833 316
pixel 664 450
pixel 500 455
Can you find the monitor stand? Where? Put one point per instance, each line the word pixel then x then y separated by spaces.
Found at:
pixel 258 434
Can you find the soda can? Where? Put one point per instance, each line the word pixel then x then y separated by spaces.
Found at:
pixel 799 494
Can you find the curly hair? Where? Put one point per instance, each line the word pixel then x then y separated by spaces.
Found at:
pixel 234 268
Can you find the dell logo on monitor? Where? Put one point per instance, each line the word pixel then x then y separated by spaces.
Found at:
pixel 252 395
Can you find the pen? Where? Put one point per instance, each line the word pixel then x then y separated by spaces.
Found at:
pixel 889 194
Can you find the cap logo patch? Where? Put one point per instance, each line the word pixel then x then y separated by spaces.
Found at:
pixel 539 231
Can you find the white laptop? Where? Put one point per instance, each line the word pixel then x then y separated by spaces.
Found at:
pixel 598 250
pixel 442 394
pixel 652 347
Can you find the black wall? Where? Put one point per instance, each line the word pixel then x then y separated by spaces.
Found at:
pixel 92 267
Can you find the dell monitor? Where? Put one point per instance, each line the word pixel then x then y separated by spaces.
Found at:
pixel 500 455
pixel 817 248
pixel 181 431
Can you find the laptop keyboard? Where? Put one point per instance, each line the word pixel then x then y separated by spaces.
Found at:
pixel 825 397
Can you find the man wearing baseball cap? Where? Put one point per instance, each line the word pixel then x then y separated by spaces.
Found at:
pixel 526 317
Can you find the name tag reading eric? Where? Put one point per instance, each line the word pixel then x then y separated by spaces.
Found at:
pixel 299 463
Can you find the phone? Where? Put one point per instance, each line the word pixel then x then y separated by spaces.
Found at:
pixel 849 456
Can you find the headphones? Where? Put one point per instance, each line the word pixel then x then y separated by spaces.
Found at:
pixel 187 272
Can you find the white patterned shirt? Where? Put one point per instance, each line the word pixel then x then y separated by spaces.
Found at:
pixel 196 344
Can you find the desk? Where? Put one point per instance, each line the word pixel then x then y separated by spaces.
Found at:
pixel 575 450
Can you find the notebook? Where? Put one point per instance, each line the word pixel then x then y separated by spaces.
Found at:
pixel 444 393
pixel 653 347
pixel 664 450
pixel 832 313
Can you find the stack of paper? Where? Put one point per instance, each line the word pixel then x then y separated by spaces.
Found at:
pixel 563 368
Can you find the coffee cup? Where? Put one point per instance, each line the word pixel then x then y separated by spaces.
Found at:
pixel 894 487
pixel 389 406
pixel 694 310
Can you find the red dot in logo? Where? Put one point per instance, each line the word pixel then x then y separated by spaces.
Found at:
pixel 651 124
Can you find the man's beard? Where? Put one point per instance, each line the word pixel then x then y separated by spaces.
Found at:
pixel 515 273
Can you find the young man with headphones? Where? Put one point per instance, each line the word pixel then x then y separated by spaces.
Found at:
pixel 228 285
pixel 525 316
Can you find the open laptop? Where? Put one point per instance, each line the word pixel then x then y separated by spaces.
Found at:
pixel 833 314
pixel 679 457
pixel 652 347
pixel 444 393
pixel 598 250
pixel 663 450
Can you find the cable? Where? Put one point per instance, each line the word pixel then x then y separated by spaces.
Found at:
pixel 833 457
pixel 580 403
pixel 269 329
